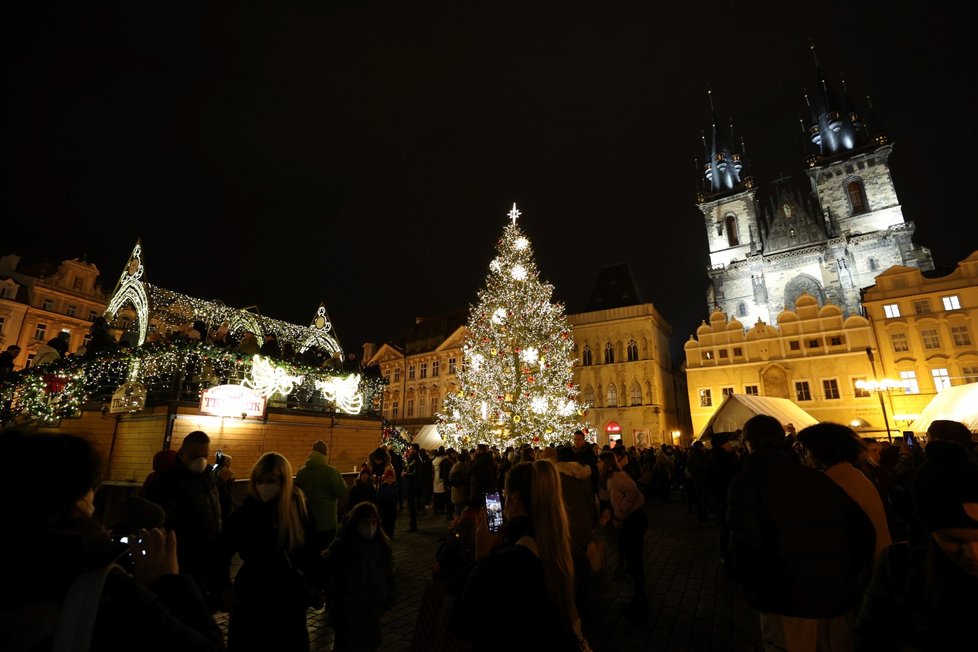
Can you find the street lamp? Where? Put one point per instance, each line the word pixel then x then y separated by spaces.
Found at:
pixel 880 386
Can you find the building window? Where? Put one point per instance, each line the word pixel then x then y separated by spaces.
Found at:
pixel 589 395
pixel 930 338
pixel 794 345
pixel 726 391
pixel 732 239
pixel 451 366
pixel 411 372
pixel 741 309
pixel 859 392
pixel 394 409
pixel 434 405
pixel 874 265
pixel 706 398
pixel 942 380
pixel 909 379
pixel 126 323
pixel 738 352
pixel 970 374
pixel 397 374
pixel 632 351
pixel 857 197
pixel 30 360
pixel 40 332
pixel 891 310
pixel 708 355
pixel 92 315
pixel 5 293
pixel 409 408
pixel 86 340
pixel 899 341
pixel 387 374
pixel 47 304
pixel 586 356
pixel 751 390
pixel 802 391
pixel 612 396
pixel 71 310
pixel 961 335
pixel 724 353
pixel 814 344
pixel 921 306
pixel 836 340
pixel 951 302
pixel 424 369
pixel 434 368
pixel 635 394
pixel 831 388
pixel 609 353
pixel 3 320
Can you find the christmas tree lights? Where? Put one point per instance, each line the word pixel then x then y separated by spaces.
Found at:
pixel 515 386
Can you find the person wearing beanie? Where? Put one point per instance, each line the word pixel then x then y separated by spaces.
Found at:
pixel 926 598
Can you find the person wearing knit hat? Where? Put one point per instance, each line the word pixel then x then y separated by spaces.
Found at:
pixel 926 598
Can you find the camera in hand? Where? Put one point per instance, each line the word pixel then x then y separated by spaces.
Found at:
pixel 494 512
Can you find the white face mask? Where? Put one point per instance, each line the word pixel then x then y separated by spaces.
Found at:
pixel 267 491
pixel 367 531
pixel 199 465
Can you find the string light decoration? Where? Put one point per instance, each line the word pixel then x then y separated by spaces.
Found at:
pixel 50 396
pixel 130 290
pixel 269 379
pixel 516 384
pixel 343 392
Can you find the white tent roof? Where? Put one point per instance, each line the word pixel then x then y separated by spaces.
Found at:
pixel 954 403
pixel 428 438
pixel 736 409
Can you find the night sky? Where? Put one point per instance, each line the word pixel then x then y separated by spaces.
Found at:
pixel 366 153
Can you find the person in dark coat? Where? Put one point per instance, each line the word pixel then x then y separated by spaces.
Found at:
pixel 584 453
pixel 101 340
pixel 798 543
pixel 926 598
pixel 482 473
pixel 722 464
pixel 60 546
pixel 271 347
pixel 363 489
pixel 276 538
pixel 387 501
pixel 360 583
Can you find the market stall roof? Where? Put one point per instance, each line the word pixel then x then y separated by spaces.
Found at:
pixel 428 438
pixel 736 409
pixel 954 403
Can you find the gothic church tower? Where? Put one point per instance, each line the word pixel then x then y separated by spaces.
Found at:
pixel 829 244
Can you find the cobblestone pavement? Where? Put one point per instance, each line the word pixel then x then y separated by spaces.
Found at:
pixel 693 604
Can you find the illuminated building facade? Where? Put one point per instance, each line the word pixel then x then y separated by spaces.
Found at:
pixel 39 301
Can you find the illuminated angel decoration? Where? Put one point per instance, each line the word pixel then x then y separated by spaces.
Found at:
pixel 343 392
pixel 268 379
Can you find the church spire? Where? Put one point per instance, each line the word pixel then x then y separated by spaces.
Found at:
pixel 724 165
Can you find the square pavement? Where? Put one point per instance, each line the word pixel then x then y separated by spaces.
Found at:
pixel 693 604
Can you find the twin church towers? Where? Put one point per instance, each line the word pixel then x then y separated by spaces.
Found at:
pixel 828 243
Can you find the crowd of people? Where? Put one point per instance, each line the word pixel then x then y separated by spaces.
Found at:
pixel 838 542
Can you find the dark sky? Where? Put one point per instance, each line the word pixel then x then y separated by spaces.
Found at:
pixel 366 153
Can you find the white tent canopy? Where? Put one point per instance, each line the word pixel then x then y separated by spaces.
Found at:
pixel 736 409
pixel 428 438
pixel 953 403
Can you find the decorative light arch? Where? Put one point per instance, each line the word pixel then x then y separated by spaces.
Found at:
pixel 131 290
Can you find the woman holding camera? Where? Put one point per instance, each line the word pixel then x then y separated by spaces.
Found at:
pixel 532 573
pixel 276 538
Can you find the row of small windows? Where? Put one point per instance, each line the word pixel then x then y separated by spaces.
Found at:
pixel 392 408
pixel 631 353
pixel 611 395
pixel 922 306
pixel 830 386
pixel 793 345
pixel 421 370
pixel 931 339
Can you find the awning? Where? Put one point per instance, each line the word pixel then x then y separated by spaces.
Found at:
pixel 953 403
pixel 428 438
pixel 736 409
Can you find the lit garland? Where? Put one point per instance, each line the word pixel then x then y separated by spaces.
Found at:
pixel 516 386
pixel 343 392
pixel 51 396
pixel 269 379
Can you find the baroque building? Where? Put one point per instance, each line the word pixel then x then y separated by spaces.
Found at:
pixel 41 300
pixel 828 242
pixel 926 325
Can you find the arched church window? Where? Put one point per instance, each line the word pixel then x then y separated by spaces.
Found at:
pixel 857 197
pixel 586 356
pixel 635 394
pixel 609 353
pixel 741 309
pixel 589 395
pixel 632 351
pixel 612 397
pixel 732 238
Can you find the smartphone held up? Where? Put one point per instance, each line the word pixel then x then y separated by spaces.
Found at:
pixel 494 512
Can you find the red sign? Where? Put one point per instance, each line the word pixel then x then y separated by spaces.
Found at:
pixel 612 427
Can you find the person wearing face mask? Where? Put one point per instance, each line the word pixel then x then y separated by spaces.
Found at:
pixel 189 496
pixel 361 582
pixel 62 560
pixel 275 535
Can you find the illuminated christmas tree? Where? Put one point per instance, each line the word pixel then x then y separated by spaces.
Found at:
pixel 515 383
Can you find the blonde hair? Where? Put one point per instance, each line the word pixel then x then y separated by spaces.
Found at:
pixel 544 501
pixel 290 503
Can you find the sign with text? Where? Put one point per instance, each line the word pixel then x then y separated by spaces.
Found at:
pixel 130 397
pixel 232 401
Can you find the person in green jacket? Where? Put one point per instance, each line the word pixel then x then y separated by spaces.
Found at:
pixel 323 486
